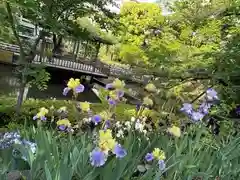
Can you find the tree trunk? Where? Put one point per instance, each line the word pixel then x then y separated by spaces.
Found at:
pixel 107 49
pixel 20 94
pixel 25 60
pixel 57 44
pixel 85 50
pixel 111 56
pixel 42 49
pixel 95 59
pixel 77 50
pixel 74 47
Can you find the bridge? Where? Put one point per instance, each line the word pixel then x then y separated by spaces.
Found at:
pixel 9 54
pixel 85 65
pixel 67 62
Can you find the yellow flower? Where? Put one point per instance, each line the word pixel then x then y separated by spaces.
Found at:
pixel 158 154
pixel 174 130
pixel 39 114
pixel 103 135
pixel 64 122
pixel 73 83
pixel 42 112
pixel 62 109
pixel 118 84
pixel 147 101
pixel 146 112
pixel 106 141
pixel 113 95
pixel 105 115
pixel 85 106
pixel 151 88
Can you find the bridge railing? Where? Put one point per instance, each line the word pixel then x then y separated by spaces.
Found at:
pixel 128 73
pixel 97 65
pixel 84 64
pixel 9 47
pixel 63 61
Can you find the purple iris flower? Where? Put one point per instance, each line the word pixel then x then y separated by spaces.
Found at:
pixel 62 128
pixel 161 165
pixel 109 86
pixel 43 118
pixel 138 107
pixel 112 102
pixel 211 95
pixel 187 108
pixel 107 125
pixel 237 110
pixel 79 89
pixel 97 158
pixel 196 116
pixel 66 90
pixel 96 119
pixel 119 151
pixel 120 93
pixel 149 157
pixel 204 108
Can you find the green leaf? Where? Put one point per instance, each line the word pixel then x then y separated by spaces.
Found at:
pixel 47 172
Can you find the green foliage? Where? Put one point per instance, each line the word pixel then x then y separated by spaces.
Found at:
pixel 94 32
pixel 188 157
pixel 132 53
pixel 31 106
pixel 137 20
pixel 5 29
pixel 194 48
pixel 40 77
pixel 52 17
pixel 139 17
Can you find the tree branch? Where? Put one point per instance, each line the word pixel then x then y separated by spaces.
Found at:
pixel 200 95
pixel 11 19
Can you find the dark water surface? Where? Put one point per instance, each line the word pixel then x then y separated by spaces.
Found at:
pixel 59 78
pixel 55 91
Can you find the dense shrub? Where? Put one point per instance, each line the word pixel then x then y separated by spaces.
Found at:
pixel 31 107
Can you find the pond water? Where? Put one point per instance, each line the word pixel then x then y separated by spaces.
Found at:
pixel 58 81
pixel 55 91
pixel 9 86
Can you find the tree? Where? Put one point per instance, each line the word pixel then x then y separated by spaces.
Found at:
pixel 52 16
pixel 192 49
pixel 5 29
pixel 138 21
